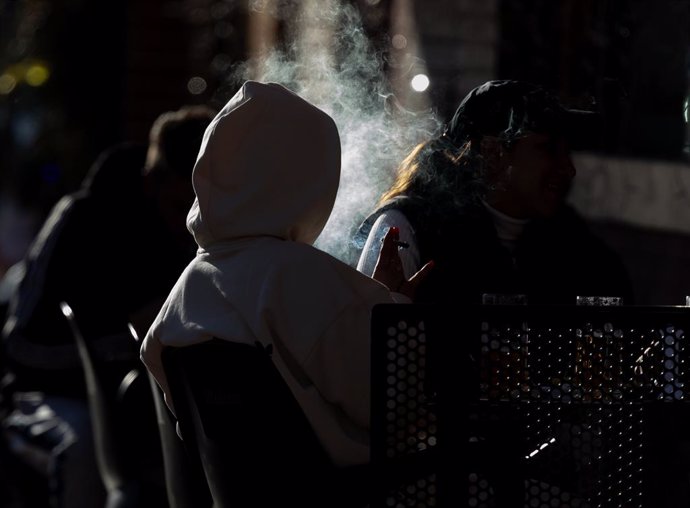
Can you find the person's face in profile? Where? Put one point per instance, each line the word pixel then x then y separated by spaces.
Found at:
pixel 534 177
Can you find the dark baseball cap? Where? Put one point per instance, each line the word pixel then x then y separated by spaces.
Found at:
pixel 509 109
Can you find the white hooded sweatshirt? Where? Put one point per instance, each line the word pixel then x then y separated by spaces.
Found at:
pixel 265 180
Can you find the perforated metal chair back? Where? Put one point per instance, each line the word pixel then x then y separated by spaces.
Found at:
pixel 535 405
pixel 123 491
pixel 185 482
pixel 404 416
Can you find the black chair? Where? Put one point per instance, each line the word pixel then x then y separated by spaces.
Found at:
pixel 534 405
pixel 255 444
pixel 185 482
pixel 121 418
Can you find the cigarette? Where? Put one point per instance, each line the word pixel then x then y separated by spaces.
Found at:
pixel 399 243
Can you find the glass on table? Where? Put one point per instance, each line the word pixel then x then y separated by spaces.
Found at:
pixel 602 301
pixel 598 354
pixel 503 299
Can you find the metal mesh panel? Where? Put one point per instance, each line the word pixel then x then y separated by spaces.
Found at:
pixel 572 407
pixel 578 393
pixel 409 415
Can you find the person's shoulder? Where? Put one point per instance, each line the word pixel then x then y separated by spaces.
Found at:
pixel 575 224
pixel 393 216
pixel 303 257
pixel 313 268
pixel 406 205
pixel 577 227
pixel 61 226
pixel 566 225
pixel 397 209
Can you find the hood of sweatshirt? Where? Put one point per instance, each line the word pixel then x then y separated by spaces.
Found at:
pixel 269 165
pixel 266 179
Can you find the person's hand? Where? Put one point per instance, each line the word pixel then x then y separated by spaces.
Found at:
pixel 389 269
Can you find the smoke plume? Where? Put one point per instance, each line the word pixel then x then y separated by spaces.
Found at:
pixel 330 61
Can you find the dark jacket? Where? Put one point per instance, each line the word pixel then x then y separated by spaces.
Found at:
pixel 555 260
pixel 104 251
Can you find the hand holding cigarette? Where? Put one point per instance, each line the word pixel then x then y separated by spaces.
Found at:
pixel 399 243
pixel 389 269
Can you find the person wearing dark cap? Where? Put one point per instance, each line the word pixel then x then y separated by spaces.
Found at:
pixel 486 201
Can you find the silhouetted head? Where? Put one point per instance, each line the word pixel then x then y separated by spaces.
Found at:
pixel 508 143
pixel 509 110
pixel 269 167
pixel 174 141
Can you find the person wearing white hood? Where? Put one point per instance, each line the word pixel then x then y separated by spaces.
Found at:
pixel 265 180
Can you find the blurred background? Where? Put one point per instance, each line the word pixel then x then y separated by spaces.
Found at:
pixel 77 76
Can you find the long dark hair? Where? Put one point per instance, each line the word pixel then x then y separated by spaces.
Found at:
pixel 440 173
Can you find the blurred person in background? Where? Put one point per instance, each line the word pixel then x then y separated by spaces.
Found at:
pixel 112 251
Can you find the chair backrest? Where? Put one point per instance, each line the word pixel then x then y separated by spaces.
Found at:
pixel 109 458
pixel 122 420
pixel 255 443
pixel 185 482
pixel 532 405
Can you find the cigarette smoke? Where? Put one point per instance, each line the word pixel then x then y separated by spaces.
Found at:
pixel 330 61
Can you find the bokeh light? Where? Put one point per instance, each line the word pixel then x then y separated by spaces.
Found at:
pixel 221 63
pixel 223 30
pixel 196 85
pixel 420 82
pixel 7 83
pixel 399 41
pixel 37 74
